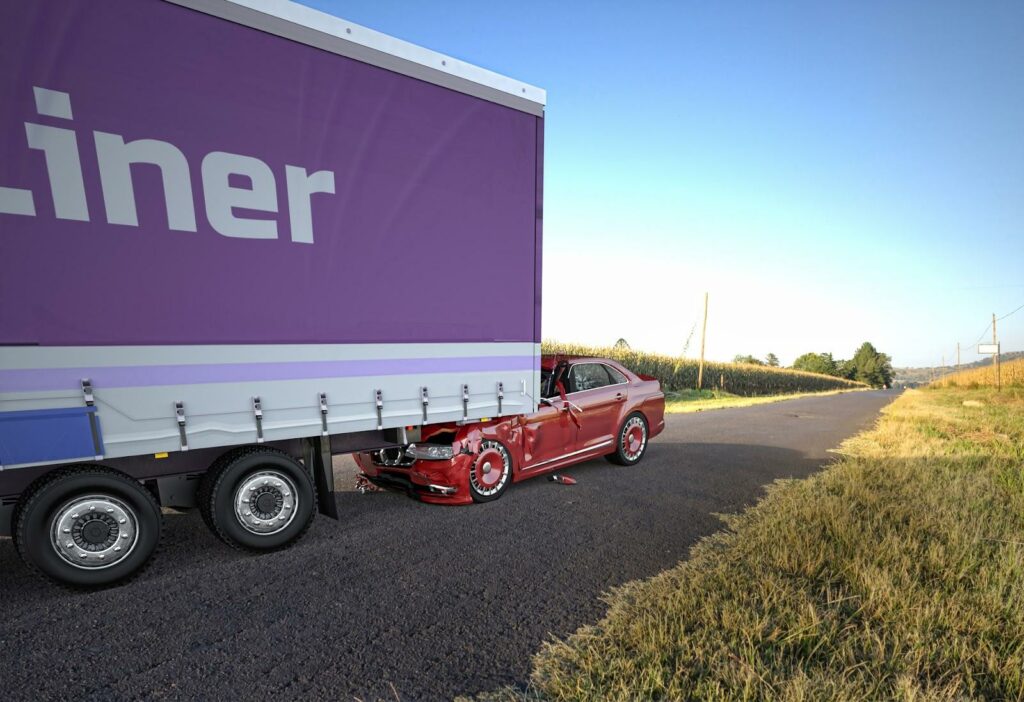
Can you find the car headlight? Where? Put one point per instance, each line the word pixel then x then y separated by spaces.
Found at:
pixel 430 452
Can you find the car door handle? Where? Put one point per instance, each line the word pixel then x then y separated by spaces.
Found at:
pixel 619 397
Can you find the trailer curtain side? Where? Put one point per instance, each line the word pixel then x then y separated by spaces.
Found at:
pixel 213 223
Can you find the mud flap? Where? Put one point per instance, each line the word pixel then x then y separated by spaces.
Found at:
pixel 318 459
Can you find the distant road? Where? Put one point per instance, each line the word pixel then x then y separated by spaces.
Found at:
pixel 435 601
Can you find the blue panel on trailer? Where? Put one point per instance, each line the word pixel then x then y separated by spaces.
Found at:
pixel 35 436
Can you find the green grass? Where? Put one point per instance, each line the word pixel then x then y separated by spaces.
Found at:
pixel 895 574
pixel 680 401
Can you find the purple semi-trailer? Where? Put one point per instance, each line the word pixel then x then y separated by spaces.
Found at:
pixel 238 237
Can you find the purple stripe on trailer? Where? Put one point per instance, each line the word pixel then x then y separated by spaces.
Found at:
pixel 42 379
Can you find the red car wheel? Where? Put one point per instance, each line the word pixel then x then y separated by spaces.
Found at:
pixel 632 441
pixel 491 472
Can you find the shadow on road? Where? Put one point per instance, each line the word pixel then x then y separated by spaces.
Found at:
pixel 435 600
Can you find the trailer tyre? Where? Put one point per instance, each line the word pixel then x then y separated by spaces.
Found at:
pixel 87 527
pixel 257 499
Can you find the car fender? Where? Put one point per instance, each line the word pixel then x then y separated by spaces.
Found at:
pixel 507 431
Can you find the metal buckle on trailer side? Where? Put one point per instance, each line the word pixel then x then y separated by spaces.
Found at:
pixel 179 414
pixel 90 401
pixel 257 410
pixel 323 414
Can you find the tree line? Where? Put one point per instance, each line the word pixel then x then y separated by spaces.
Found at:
pixel 868 365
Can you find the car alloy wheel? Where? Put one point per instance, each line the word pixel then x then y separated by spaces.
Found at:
pixel 491 472
pixel 634 438
pixel 632 441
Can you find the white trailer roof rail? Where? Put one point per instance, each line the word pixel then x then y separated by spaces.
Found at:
pixel 324 31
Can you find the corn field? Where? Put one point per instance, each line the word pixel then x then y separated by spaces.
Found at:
pixel 1011 374
pixel 677 373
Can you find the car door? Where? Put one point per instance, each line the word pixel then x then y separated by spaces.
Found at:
pixel 592 390
pixel 548 434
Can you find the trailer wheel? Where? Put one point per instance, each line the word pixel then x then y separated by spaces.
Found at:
pixel 87 527
pixel 257 499
pixel 631 443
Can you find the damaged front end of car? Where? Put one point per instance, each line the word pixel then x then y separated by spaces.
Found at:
pixel 433 469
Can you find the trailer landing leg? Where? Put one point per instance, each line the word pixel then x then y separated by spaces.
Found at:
pixel 318 459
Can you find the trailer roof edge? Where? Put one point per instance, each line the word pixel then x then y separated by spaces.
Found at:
pixel 306 25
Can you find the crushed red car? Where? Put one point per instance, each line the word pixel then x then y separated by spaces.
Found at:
pixel 589 407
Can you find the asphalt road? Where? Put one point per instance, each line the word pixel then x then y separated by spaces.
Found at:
pixel 402 600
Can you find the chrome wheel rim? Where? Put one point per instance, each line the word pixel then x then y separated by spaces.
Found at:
pixel 484 476
pixel 266 502
pixel 94 532
pixel 634 438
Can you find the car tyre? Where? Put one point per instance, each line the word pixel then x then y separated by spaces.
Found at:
pixel 257 499
pixel 491 472
pixel 631 441
pixel 87 527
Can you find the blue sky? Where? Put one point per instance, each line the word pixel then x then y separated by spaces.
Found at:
pixel 829 172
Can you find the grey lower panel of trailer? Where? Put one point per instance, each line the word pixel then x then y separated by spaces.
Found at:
pixel 68 404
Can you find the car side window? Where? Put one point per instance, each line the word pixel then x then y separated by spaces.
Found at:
pixel 587 376
pixel 616 376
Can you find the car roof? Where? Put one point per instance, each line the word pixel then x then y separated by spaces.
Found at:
pixel 548 362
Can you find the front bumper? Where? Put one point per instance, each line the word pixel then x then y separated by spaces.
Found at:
pixel 438 482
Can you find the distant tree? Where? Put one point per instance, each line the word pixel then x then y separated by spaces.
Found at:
pixel 846 369
pixel 872 366
pixel 748 359
pixel 772 360
pixel 816 363
pixel 621 345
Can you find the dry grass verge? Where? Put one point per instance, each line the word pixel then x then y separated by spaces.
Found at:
pixel 896 573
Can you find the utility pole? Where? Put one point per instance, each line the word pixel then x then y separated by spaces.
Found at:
pixel 995 359
pixel 703 333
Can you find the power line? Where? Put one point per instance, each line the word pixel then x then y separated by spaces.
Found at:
pixel 981 335
pixel 1011 313
pixel 989 325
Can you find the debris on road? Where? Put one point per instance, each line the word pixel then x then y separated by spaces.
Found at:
pixel 363 485
pixel 563 479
